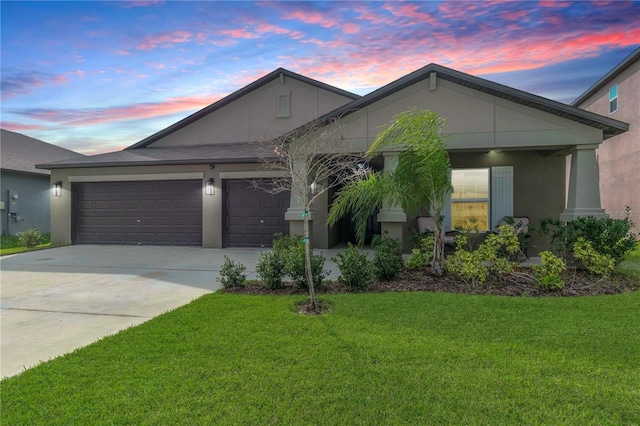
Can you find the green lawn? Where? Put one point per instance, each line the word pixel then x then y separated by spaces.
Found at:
pixel 391 358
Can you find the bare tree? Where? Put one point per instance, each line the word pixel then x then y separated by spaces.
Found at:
pixel 311 160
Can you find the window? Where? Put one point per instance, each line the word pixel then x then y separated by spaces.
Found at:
pixel 283 105
pixel 470 199
pixel 613 98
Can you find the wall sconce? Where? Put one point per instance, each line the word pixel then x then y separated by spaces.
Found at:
pixel 56 189
pixel 209 189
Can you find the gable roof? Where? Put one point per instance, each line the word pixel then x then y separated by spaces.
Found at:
pixel 235 96
pixel 616 71
pixel 21 153
pixel 609 126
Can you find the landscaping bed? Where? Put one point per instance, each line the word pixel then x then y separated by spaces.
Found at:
pixel 577 283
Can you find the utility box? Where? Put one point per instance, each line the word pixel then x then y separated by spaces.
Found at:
pixel 14 201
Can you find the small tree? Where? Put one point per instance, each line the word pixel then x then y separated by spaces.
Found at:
pixel 421 179
pixel 311 160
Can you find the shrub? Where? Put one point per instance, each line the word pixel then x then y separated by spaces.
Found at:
pixel 295 269
pixel 231 273
pixel 271 269
pixel 282 243
pixel 422 256
pixel 607 236
pixel 356 270
pixel 548 273
pixel 467 264
pixel 30 238
pixel 387 258
pixel 596 263
pixel 492 256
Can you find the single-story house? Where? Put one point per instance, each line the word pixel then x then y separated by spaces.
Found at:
pixel 24 189
pixel 187 184
pixel 617 95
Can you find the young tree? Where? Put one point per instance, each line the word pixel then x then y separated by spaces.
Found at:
pixel 309 161
pixel 421 179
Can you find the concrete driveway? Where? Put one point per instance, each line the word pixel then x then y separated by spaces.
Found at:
pixel 55 301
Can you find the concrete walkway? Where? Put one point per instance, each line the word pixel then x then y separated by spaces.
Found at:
pixel 55 301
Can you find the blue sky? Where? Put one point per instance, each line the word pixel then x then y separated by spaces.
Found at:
pixel 99 76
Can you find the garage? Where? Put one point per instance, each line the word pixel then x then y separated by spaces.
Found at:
pixel 252 216
pixel 138 213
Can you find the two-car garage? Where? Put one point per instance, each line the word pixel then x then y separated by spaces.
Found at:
pixel 169 212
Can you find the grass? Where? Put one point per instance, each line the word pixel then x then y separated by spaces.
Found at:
pixel 9 244
pixel 630 267
pixel 385 358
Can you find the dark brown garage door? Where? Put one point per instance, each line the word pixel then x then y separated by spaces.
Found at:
pixel 252 216
pixel 145 213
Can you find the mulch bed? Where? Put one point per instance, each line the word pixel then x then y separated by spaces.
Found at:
pixel 577 283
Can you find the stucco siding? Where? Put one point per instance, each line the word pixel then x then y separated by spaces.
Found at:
pixel 253 116
pixel 34 197
pixel 618 157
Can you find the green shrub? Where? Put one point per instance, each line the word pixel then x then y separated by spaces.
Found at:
pixel 282 243
pixel 492 256
pixel 549 272
pixel 596 263
pixel 607 236
pixel 271 268
pixel 295 269
pixel 231 273
pixel 422 256
pixel 387 258
pixel 30 238
pixel 356 271
pixel 467 264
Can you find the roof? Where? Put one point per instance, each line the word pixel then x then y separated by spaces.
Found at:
pixel 609 126
pixel 235 96
pixel 616 71
pixel 222 153
pixel 21 153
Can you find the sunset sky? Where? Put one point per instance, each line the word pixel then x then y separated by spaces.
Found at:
pixel 99 76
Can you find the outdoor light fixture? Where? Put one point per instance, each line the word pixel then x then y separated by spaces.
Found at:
pixel 56 190
pixel 209 189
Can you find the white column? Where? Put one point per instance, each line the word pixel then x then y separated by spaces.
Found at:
pixel 584 185
pixel 296 211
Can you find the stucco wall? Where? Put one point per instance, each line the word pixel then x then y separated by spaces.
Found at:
pixel 253 117
pixel 34 198
pixel 618 157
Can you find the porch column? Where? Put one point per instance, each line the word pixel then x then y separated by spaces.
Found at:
pixel 392 218
pixel 296 211
pixel 584 185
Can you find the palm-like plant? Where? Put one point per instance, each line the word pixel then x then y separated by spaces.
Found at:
pixel 421 179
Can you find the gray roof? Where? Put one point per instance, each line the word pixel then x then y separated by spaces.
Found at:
pixel 204 154
pixel 237 95
pixel 609 126
pixel 21 153
pixel 616 71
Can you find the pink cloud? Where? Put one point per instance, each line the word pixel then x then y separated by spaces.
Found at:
pixel 410 11
pixel 141 3
pixel 88 117
pixel 311 17
pixel 24 82
pixel 515 15
pixel 21 127
pixel 123 52
pixel 351 28
pixel 165 39
pixel 240 33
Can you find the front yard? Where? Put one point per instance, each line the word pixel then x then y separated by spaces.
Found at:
pixel 377 358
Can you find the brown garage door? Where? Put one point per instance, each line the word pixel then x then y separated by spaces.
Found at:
pixel 252 216
pixel 145 213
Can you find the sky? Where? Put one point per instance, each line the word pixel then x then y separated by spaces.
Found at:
pixel 97 77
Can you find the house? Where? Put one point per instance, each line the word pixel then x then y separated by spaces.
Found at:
pixel 187 184
pixel 617 95
pixel 24 189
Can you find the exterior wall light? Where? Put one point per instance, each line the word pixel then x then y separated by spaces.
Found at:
pixel 56 189
pixel 209 189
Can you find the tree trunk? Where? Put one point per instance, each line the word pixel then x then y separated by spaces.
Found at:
pixel 437 264
pixel 307 259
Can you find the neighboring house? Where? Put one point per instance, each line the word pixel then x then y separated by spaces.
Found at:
pixel 187 184
pixel 25 191
pixel 617 95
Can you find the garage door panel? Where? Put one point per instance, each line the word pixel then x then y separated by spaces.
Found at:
pixel 251 215
pixel 149 212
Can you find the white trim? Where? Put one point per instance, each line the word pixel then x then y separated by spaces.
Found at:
pixel 254 174
pixel 138 177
